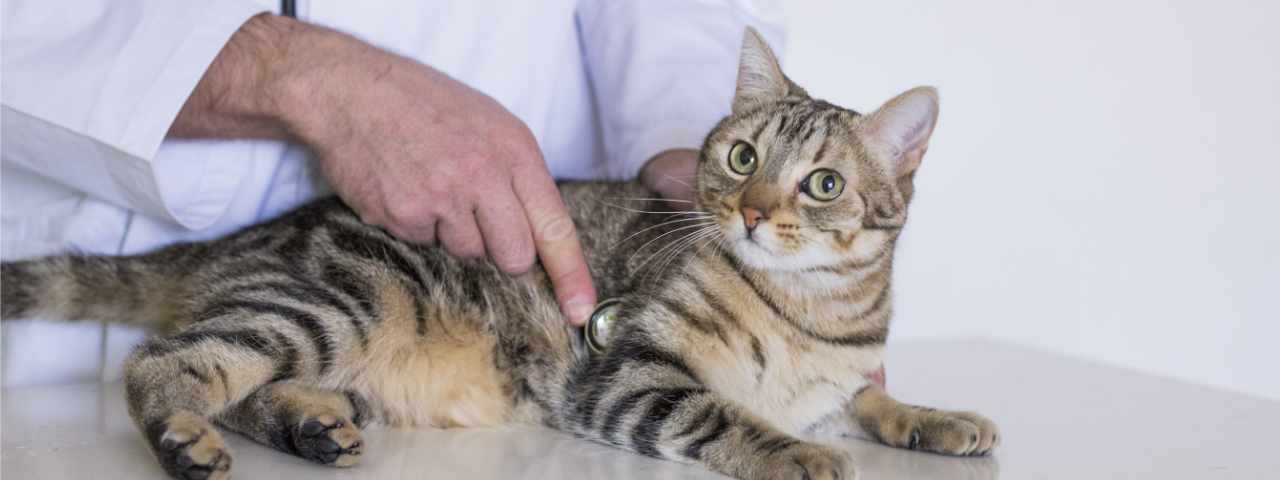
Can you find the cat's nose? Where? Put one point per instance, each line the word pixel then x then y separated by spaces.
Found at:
pixel 752 217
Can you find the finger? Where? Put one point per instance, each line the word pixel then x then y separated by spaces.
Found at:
pixel 459 235
pixel 556 241
pixel 506 232
pixel 420 235
pixel 412 225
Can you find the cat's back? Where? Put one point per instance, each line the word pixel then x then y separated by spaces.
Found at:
pixel 619 224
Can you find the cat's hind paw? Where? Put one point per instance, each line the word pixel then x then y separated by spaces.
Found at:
pixel 190 448
pixel 329 439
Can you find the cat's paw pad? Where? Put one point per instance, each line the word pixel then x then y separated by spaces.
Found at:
pixel 809 461
pixel 191 449
pixel 329 439
pixel 953 433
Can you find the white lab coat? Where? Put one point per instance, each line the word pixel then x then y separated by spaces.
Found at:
pixel 90 88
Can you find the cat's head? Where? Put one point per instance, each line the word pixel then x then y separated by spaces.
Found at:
pixel 798 183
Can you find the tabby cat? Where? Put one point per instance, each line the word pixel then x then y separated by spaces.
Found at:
pixel 747 327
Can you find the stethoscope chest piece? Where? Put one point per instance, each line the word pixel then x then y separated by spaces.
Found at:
pixel 600 323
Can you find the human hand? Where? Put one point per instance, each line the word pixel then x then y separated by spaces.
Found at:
pixel 432 160
pixel 672 175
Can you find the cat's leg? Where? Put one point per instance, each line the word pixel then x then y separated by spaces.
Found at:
pixel 175 384
pixel 316 424
pixel 920 428
pixel 647 400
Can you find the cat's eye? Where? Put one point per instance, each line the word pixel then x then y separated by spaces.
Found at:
pixel 823 184
pixel 742 158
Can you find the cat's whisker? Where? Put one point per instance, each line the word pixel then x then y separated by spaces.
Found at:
pixel 659 237
pixel 674 249
pixel 698 238
pixel 716 242
pixel 651 227
pixel 620 207
pixel 670 245
pixel 668 252
pixel 683 247
pixel 712 240
pixel 652 199
pixel 656 254
pixel 677 179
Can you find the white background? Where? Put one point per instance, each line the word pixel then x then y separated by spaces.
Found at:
pixel 1103 180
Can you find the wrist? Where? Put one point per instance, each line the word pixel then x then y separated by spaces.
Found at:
pixel 286 58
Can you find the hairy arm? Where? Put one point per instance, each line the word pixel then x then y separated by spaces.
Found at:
pixel 407 147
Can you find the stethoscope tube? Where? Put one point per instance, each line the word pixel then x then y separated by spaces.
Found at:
pixel 289 8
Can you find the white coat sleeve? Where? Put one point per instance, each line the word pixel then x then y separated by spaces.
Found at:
pixel 663 71
pixel 91 88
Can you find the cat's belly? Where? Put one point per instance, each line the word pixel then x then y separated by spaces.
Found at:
pixel 443 386
pixel 447 379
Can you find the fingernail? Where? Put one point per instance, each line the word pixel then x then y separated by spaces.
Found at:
pixel 578 309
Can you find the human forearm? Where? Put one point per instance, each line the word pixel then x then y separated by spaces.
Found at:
pixel 279 78
pixel 404 145
pixel 268 79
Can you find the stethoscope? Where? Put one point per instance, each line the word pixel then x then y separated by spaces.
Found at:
pixel 596 332
pixel 289 8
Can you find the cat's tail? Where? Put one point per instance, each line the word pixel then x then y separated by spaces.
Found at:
pixel 141 290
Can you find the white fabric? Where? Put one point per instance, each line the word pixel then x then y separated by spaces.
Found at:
pixel 90 88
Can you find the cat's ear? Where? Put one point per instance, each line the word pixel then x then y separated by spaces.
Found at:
pixel 760 77
pixel 902 126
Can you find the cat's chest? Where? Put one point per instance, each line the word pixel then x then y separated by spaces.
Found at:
pixel 792 386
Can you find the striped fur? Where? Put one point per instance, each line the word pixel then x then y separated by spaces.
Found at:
pixel 735 348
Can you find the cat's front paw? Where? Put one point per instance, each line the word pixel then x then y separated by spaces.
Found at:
pixel 808 461
pixel 951 433
pixel 189 448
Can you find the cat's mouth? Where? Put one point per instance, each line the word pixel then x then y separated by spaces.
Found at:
pixel 754 241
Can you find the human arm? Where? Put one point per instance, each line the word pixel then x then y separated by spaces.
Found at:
pixel 407 147
pixel 671 175
pixel 91 91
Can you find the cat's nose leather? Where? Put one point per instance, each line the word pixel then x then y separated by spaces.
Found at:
pixel 752 217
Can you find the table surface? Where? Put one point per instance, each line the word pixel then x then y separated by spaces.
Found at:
pixel 1059 417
